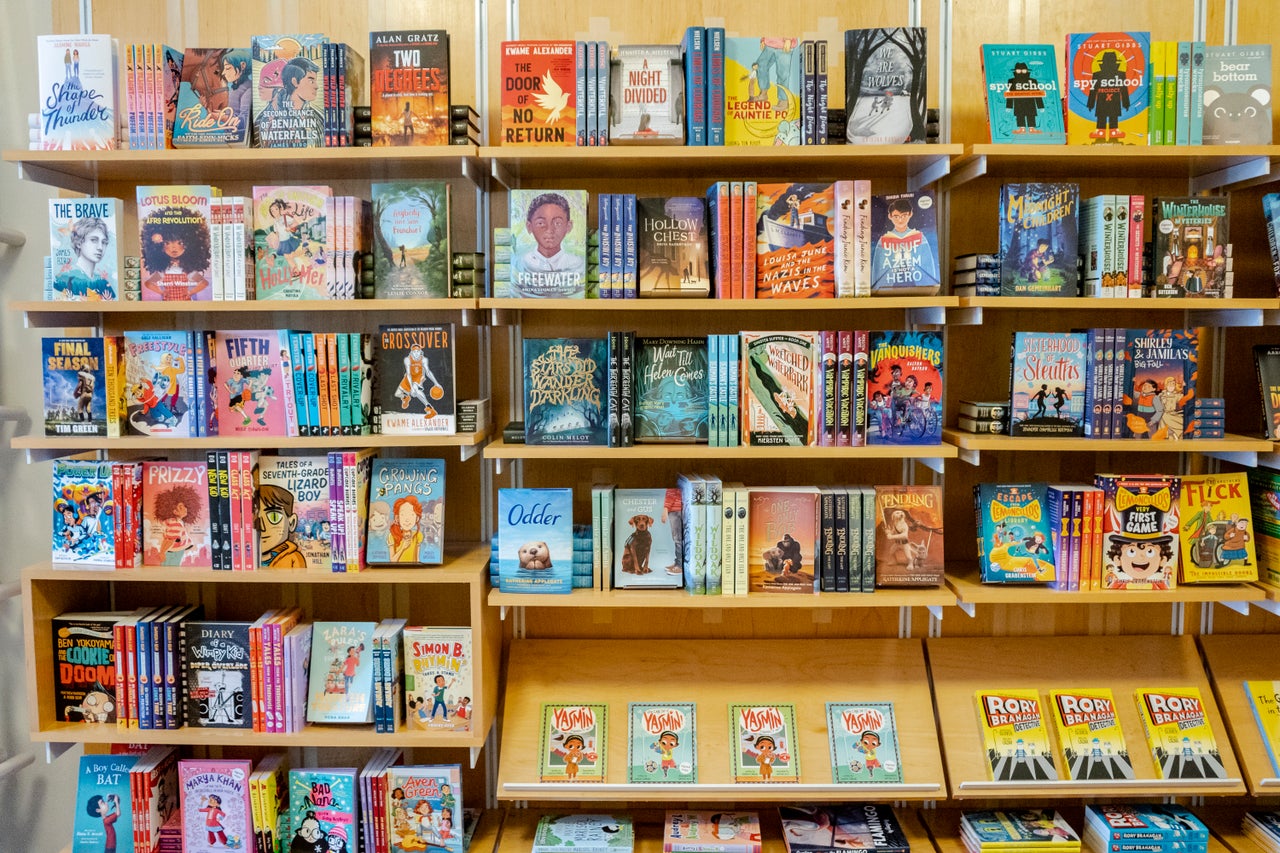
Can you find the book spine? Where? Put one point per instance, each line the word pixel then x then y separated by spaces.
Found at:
pixel 1137 215
pixel 215 508
pixel 629 249
pixel 224 511
pixel 288 373
pixel 728 514
pixel 715 402
pixel 844 239
pixel 845 403
pixel 830 386
pixel 343 392
pixel 868 538
pixel 615 389
pixel 715 86
pixel 593 92
pixel 1077 538
pixel 827 503
pixel 120 650
pixel 235 514
pixel 749 202
pixel 313 383
pixel 1170 120
pixel 618 220
pixel 860 344
pixel 1183 132
pixel 217 233
pixel 734 368
pixel 809 96
pixel 695 84
pixel 862 238
pixel 142 662
pixel 605 267
pixel 1122 255
pixel 602 93
pixel 255 677
pixel 822 129
pixel 580 89
pixel 711 548
pixel 737 287
pixel 1155 113
pixel 625 388
pixel 1197 93
pixel 174 713
pixel 1091 400
pixel 131 673
pixel 852 580
pixel 353 382
pixel 200 375
pixel 722 234
pixel 742 523
pixel 322 384
pixel 597 565
pixel 114 392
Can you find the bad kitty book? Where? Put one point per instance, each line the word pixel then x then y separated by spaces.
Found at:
pixel 762 743
pixel 1216 529
pixel 438 678
pixel 538 93
pixel 84 513
pixel 411 239
pixel 778 388
pixel 174 228
pixel 1090 742
pixel 290 243
pixel 406 512
pixel 548 243
pixel 672 242
pixel 217 809
pixel 1039 224
pixel 75 386
pixel 1047 373
pixel 426 808
pixel 904 251
pixel 565 391
pixel 78 92
pixel 763 80
pixel 291 513
pixel 795 241
pixel 340 689
pixel 84 248
pixel 573 743
pixel 864 742
pixel 1108 90
pixel 1177 729
pixel 409 87
pixel 215 98
pixel 1024 99
pixel 535 540
pixel 103 804
pixel 661 743
pixel 904 388
pixel 1015 736
pixel 417 388
pixel 886 74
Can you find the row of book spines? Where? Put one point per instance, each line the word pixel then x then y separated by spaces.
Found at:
pixel 1112 246
pixel 269 802
pixel 1108 377
pixel 339 118
pixel 731 209
pixel 277 676
pixel 149 647
pixel 232 539
pixel 618 267
pixel 231 232
pixel 155 769
pixel 1271 214
pixel 1075 529
pixel 149 86
pixel 388 670
pixel 591 81
pixel 1176 113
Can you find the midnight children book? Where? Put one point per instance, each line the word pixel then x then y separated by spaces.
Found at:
pixel 411 239
pixel 565 391
pixel 671 235
pixel 1024 98
pixel 661 742
pixel 1047 383
pixel 886 70
pixel 409 87
pixel 904 251
pixel 1038 239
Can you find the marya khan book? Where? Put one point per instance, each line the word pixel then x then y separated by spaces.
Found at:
pixel 438 678
pixel 411 239
pixel 217 807
pixel 548 243
pixel 340 689
pixel 215 99
pixel 1024 98
pixel 288 97
pixel 763 82
pixel 78 92
pixel 290 244
pixel 886 73
pixel 671 235
pixel 1264 699
pixel 1014 536
pixel 795 241
pixel 662 742
pixel 1090 742
pixel 1015 736
pixel 1178 732
pixel 409 87
pixel 1237 94
pixel 103 804
pixel 75 386
pixel 778 388
pixel 174 227
pixel 1108 90
pixel 538 93
pixel 417 388
pixel 864 743
pixel 1047 384
pixel 573 743
pixel 535 540
pixel 565 391
pixel 1216 529
pixel 904 251
pixel 1039 243
pixel 291 510
pixel 84 248
pixel 762 743
pixel 406 512
pixel 646 95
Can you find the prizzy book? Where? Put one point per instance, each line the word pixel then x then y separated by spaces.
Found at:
pixel 84 248
pixel 538 93
pixel 762 743
pixel 406 512
pixel 661 743
pixel 175 514
pixel 75 386
pixel 904 388
pixel 411 240
pixel 1039 224
pixel 573 743
pixel 864 743
pixel 409 87
pixel 1090 741
pixel 795 241
pixel 1024 100
pixel 1178 732
pixel 1014 736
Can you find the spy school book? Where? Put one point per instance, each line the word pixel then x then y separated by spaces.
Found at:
pixel 1139 526
pixel 426 808
pixel 411 239
pixel 904 388
pixel 1090 742
pixel 175 514
pixel 1190 236
pixel 84 248
pixel 288 96
pixel 1216 533
pixel 1264 699
pixel 886 71
pixel 1024 98
pixel 662 743
pixel 538 93
pixel 573 743
pixel 671 387
pixel 673 249
pixel 535 540
pixel 84 513
pixel 323 804
pixel 646 95
pixel 1039 224
pixel 565 391
pixel 1237 94
pixel 217 688
pixel 1014 534
pixel 1161 367
pixel 84 674
pixel 1108 89
pixel 215 99
pixel 908 547
pixel 763 745
pixel 417 388
pixel 795 241
pixel 778 388
pixel 217 805
pixel 1015 736
pixel 904 251
pixel 1177 730
pixel 291 249
pixel 864 742
pixel 763 82
pixel 340 688
pixel 1047 384
pixel 548 243
pixel 174 228
pixel 783 540
pixel 159 384
pixel 75 386
pixel 254 383
pixel 292 508
pixel 438 678
pixel 78 92
pixel 406 512
pixel 409 87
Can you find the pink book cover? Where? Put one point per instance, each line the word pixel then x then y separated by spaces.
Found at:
pixel 289 248
pixel 175 240
pixel 217 812
pixel 175 516
pixel 252 398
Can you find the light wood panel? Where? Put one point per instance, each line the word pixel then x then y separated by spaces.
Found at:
pixel 1233 660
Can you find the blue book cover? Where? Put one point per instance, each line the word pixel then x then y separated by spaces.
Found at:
pixel 864 743
pixel 566 391
pixel 548 243
pixel 75 386
pixel 648 538
pixel 323 809
pixel 1024 97
pixel 215 98
pixel 535 540
pixel 1047 388
pixel 426 808
pixel 406 512
pixel 104 806
pixel 1038 239
pixel 340 689
pixel 904 254
pixel 159 384
pixel 904 388
pixel 1160 371
pixel 693 46
pixel 1014 534
pixel 84 513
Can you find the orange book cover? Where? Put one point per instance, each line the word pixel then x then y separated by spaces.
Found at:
pixel 538 85
pixel 782 540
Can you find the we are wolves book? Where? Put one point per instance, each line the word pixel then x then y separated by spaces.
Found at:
pixel 763 743
pixel 406 512
pixel 539 106
pixel 565 391
pixel 428 811
pixel 103 804
pixel 864 742
pixel 217 804
pixel 535 540
pixel 84 248
pixel 409 87
pixel 904 251
pixel 573 743
pixel 290 242
pixel 844 826
pixel 904 388
pixel 411 239
pixel 1048 372
pixel 288 91
pixel 662 742
pixel 1178 732
pixel 216 685
pixel 1039 224
pixel 795 241
pixel 78 92
pixel 1014 534
pixel 548 243
pixel 215 98
pixel 1108 88
pixel 75 386
pixel 1015 736
pixel 1090 742
pixel 1161 369
pixel 646 95
pixel 1024 98
pixel 886 74
pixel 671 234
pixel 1237 94
pixel 763 88
pixel 291 505
pixel 340 688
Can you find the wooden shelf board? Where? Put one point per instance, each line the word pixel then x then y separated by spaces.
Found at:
pixel 717 673
pixel 678 598
pixel 1224 824
pixel 896 303
pixel 501 450
pixel 1232 660
pixel 1230 443
pixel 42 314
pixel 312 735
pixel 464 564
pixel 964 582
pixel 72 444
pixel 1056 303
pixel 960 667
pixel 1130 161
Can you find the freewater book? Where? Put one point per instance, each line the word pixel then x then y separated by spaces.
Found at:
pixel 548 244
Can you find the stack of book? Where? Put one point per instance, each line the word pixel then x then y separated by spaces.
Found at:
pixel 1026 829
pixel 711 832
pixel 976 274
pixel 1264 829
pixel 857 826
pixel 1164 826
pixel 584 833
pixel 984 417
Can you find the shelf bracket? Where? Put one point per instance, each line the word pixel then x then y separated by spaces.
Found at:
pixel 1272 607
pixel 933 171
pixel 1247 458
pixel 1269 460
pixel 473 170
pixel 1241 607
pixel 965 316
pixel 973 457
pixel 470 317
pixel 475 755
pixel 933 463
pixel 934 315
pixel 53 751
pixel 10 237
pixel 935 610
pixel 54 178
pixel 497 466
pixel 971 170
pixel 468 451
pixel 501 175
pixel 502 617
pixel 1245 170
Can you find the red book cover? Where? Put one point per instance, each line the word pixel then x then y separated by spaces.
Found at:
pixel 538 85
pixel 175 516
pixel 795 244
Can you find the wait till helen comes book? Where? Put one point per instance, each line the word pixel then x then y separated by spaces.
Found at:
pixel 573 743
pixel 1015 736
pixel 1178 732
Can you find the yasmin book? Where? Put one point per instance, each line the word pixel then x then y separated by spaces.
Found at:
pixel 75 386
pixel 215 98
pixel 409 87
pixel 411 239
pixel 217 687
pixel 425 809
pixel 174 227
pixel 1161 367
pixel 84 248
pixel 1264 699
pixel 78 92
pixel 438 678
pixel 864 742
pixel 1048 372
pixel 644 545
pixel 1039 224
pixel 175 514
pixel 662 743
pixel 1178 732
pixel 1024 99
pixel 908 523
pixel 291 513
pixel 763 81
pixel 324 804
pixel 1216 529
pixel 671 388
pixel 904 251
pixel 565 391
pixel 535 540
pixel 340 689
pixel 84 513
pixel 406 512
pixel 1015 736
pixel 217 810
pixel 1237 94
pixel 252 368
pixel 1108 90
pixel 646 95
pixel 904 388
pixel 778 388
pixel 417 387
pixel 762 744
pixel 573 743
pixel 84 675
pixel 159 384
pixel 1014 535
pixel 1139 526
pixel 104 805
pixel 1090 742
pixel 783 540
pixel 795 241
pixel 538 93
pixel 673 250
pixel 886 72
pixel 288 91
pixel 1190 236
pixel 711 832
pixel 290 244
pixel 584 833
pixel 548 242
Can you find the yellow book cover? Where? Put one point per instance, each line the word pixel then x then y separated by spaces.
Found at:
pixel 1090 741
pixel 1217 529
pixel 1264 698
pixel 1015 736
pixel 1177 730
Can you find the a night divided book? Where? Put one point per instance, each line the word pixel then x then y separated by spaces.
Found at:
pixel 411 239
pixel 1178 732
pixel 340 688
pixel 863 737
pixel 1090 742
pixel 409 87
pixel 886 70
pixel 1015 736
pixel 1024 97
pixel 565 391
pixel 573 743
pixel 662 743
pixel 763 743
pixel 535 540
pixel 646 95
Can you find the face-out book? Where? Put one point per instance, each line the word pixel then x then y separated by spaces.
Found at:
pixel 406 512
pixel 1024 98
pixel 539 104
pixel 1108 88
pixel 1015 736
pixel 175 514
pixel 438 678
pixel 417 386
pixel 842 827
pixel 1161 369
pixel 1015 542
pixel 573 743
pixel 904 387
pixel 1217 535
pixel 548 243
pixel 795 241
pixel 425 808
pixel 175 241
pixel 864 743
pixel 288 91
pixel 1178 732
pixel 763 82
pixel 671 388
pixel 646 95
pixel 78 92
pixel 783 540
pixel 644 549
pixel 671 237
pixel 886 76
pixel 1237 94
pixel 291 242
pixel 411 239
pixel 762 745
pixel 535 540
pixel 908 533
pixel 711 832
pixel 584 833
pixel 103 804
pixel 215 99
pixel 778 388
pixel 409 87
pixel 340 689
pixel 565 391
pixel 84 248
pixel 324 802
pixel 1039 224
pixel 1047 384
pixel 291 513
pixel 904 248
pixel 662 742
pixel 83 507
pixel 217 685
pixel 1090 741
pixel 74 375
pixel 217 807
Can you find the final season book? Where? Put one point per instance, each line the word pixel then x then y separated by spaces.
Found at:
pixel 1090 741
pixel 84 248
pixel 78 92
pixel 904 251
pixel 340 689
pixel 1024 98
pixel 795 241
pixel 673 250
pixel 573 743
pixel 1237 94
pixel 1039 224
pixel 75 385
pixel 103 804
pixel 565 391
pixel 217 805
pixel 417 388
pixel 411 239
pixel 174 227
pixel 1108 88
pixel 885 75
pixel 1015 736
pixel 215 98
pixel 1178 732
pixel 548 243
pixel 406 512
pixel 288 97
pixel 864 742
pixel 763 743
pixel 763 82
pixel 1047 384
pixel 661 742
pixel 409 87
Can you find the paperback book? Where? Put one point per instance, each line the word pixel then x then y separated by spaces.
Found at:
pixel 103 804
pixel 671 234
pixel 1237 94
pixel 160 383
pixel 1139 526
pixel 75 386
pixel 584 833
pixel 175 514
pixel 1191 239
pixel 254 388
pixel 1266 358
pixel 84 518
pixel 340 688
pixel 417 386
pixel 1161 367
pixel 1264 700
pixel 1024 98
pixel 662 743
pixel 845 826
pixel 763 82
pixel 215 99
pixel 174 236
pixel 783 540
pixel 763 743
pixel 438 678
pixel 1015 736
pixel 411 240
pixel 409 87
pixel 904 388
pixel 908 535
pixel 548 243
pixel 1090 742
pixel 647 551
pixel 406 512
pixel 217 805
pixel 291 513
pixel 84 682
pixel 84 248
pixel 324 807
pixel 886 71
pixel 671 390
pixel 573 743
pixel 1178 733
pixel 217 686
pixel 864 743
pixel 904 251
pixel 425 808
pixel 566 391
pixel 711 832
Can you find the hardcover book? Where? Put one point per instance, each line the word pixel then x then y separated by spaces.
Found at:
pixel 1108 90
pixel 662 743
pixel 84 513
pixel 1048 371
pixel 763 743
pixel 535 540
pixel 291 243
pixel 711 832
pixel 886 71
pixel 584 833
pixel 904 254
pixel 417 380
pixel 175 514
pixel 103 804
pixel 1216 529
pixel 217 688
pixel 847 826
pixel 75 386
pixel 324 804
pixel 566 391
pixel 254 388
pixel 438 678
pixel 1090 742
pixel 411 240
pixel 1161 367
pixel 783 541
pixel 1266 358
pixel 646 95
pixel 1014 534
pixel 1178 732
pixel 288 91
pixel 291 513
pixel 84 667
pixel 908 548
pixel 795 241
pixel 1139 526
pixel 864 743
pixel 84 248
pixel 159 384
pixel 409 87
pixel 78 92
pixel 215 99
pixel 406 512
pixel 1024 99
pixel 671 388
pixel 1264 699
pixel 340 687
pixel 548 243
pixel 1191 237
pixel 539 106
pixel 425 808
pixel 904 388
pixel 673 249
pixel 1038 239
pixel 1015 736
pixel 778 393
pixel 763 79
pixel 174 235
pixel 1237 94
pixel 647 550
pixel 217 805
pixel 573 743
pixel 1013 830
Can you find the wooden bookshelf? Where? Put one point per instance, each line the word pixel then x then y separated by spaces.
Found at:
pixel 679 598
pixel 499 449
pixel 964 581
pixel 944 829
pixel 970 445
pixel 72 444
pixel 617 672
pixel 960 667
pixel 731 306
pixel 1093 304
pixel 1224 824
pixel 1233 659
pixel 40 314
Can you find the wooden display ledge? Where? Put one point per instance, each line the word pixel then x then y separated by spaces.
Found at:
pixel 42 314
pixel 75 443
pixel 1239 448
pixel 733 306
pixel 962 666
pixel 1232 660
pixel 500 449
pixel 964 580
pixel 311 735
pixel 944 829
pixel 1069 303
pixel 678 598
pixel 717 673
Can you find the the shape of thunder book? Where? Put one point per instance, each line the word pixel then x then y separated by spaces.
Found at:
pixel 215 98
pixel 886 74
pixel 646 95
pixel 174 227
pixel 662 742
pixel 1237 94
pixel 78 92
pixel 763 88
pixel 1108 88
pixel 1024 98
pixel 1015 736
pixel 539 106
pixel 565 391
pixel 411 239
pixel 573 743
pixel 340 688
pixel 290 244
pixel 1047 384
pixel 84 248
pixel 103 803
pixel 406 512
pixel 409 87
pixel 75 385
pixel 864 742
pixel 762 743
pixel 1039 226
pixel 417 387
pixel 548 243
pixel 288 96
pixel 535 540
pixel 671 236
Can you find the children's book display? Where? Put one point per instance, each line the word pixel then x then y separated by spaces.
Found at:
pixel 845 826
pixel 1015 736
pixel 438 678
pixel 217 808
pixel 762 743
pixel 341 684
pixel 1023 94
pixel 1090 742
pixel 1178 732
pixel 584 833
pixel 662 743
pixel 573 743
pixel 535 540
pixel 711 832
pixel 864 742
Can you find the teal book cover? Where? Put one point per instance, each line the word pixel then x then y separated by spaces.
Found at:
pixel 104 806
pixel 411 240
pixel 548 244
pixel 1024 96
pixel 341 684
pixel 566 391
pixel 671 390
pixel 323 808
pixel 662 743
pixel 864 742
pixel 535 540
pixel 1014 535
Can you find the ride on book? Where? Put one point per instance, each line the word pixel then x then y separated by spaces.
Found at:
pixel 1015 736
pixel 215 99
pixel 662 743
pixel 864 743
pixel 1177 730
pixel 573 743
pixel 763 743
pixel 1090 742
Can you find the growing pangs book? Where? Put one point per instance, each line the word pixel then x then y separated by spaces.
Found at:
pixel 406 512
pixel 795 241
pixel 159 384
pixel 425 810
pixel 217 806
pixel 763 82
pixel 409 87
pixel 324 804
pixel 175 514
pixel 411 239
pixel 174 228
pixel 417 390
pixel 290 245
pixel 778 388
pixel 573 743
pixel 340 688
pixel 538 85
pixel 565 391
pixel 1237 94
pixel 288 91
pixel 783 540
pixel 535 540
pixel 661 743
pixel 1015 736
pixel 1178 732
pixel 103 804
pixel 1161 367
pixel 908 534
pixel 864 742
pixel 1024 98
pixel 291 513
pixel 216 685
pixel 254 383
pixel 1108 90
pixel 438 678
pixel 671 234
pixel 886 74
pixel 904 254
pixel 1090 741
pixel 762 743
pixel 75 386
pixel 548 243
pixel 78 92
pixel 711 832
pixel 84 248
pixel 1039 224
pixel 1047 383
pixel 84 513
pixel 215 98
pixel 904 388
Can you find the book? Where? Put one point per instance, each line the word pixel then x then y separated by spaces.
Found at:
pixel 1264 700
pixel 217 807
pixel 216 685
pixel 324 803
pixel 647 549
pixel 83 514
pixel 215 98
pixel 1139 526
pixel 254 388
pixel 84 667
pixel 711 832
pixel 1237 94
pixel 291 513
pixel 1216 533
pixel 288 97
pixel 783 540
pixel 1108 90
pixel 1191 238
pixel 1027 829
pixel 439 669
pixel 1157 824
pixel 845 826
pixel 409 87
pixel 1161 367
pixel 406 512
pixel 662 743
pixel 84 249
pixel 1015 736
pixel 566 391
pixel 763 745
pixel 908 535
pixel 175 514
pixel 573 743
pixel 1048 369
pixel 411 239
pixel 548 243
pixel 1023 95
pixel 535 540
pixel 539 105
pixel 864 743
pixel 904 388
pixel 795 241
pixel 1266 358
pixel 671 236
pixel 886 74
pixel 174 234
pixel 1014 533
pixel 290 242
pixel 646 95
pixel 78 92
pixel 671 390
pixel 417 379
pixel 762 90
pixel 340 687
pixel 584 833
pixel 103 804
pixel 904 254
pixel 1090 741
pixel 1178 733
pixel 778 393
pixel 74 379
pixel 1038 239
pixel 159 383
pixel 424 808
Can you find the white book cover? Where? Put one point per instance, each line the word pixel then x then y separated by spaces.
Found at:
pixel 78 92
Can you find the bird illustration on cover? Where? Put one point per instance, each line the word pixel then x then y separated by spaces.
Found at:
pixel 552 98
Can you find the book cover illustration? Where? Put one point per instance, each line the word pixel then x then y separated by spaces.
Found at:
pixel 411 239
pixel 340 688
pixel 250 389
pixel 671 388
pixel 1090 741
pixel 1026 828
pixel 763 78
pixel 538 93
pixel 1216 529
pixel 75 386
pixel 158 387
pixel 548 243
pixel 1014 534
pixel 1108 92
pixel 886 72
pixel 711 832
pixel 215 98
pixel 288 97
pixel 778 388
pixel 174 239
pixel 104 806
pixel 1161 367
pixel 1139 526
pixel 904 388
pixel 662 743
pixel 84 248
pixel 864 742
pixel 1237 94
pixel 291 513
pixel 1039 224
pixel 1182 743
pixel 438 675
pixel 1048 372
pixel 323 805
pixel 584 833
pixel 217 688
pixel 409 87
pixel 290 250
pixel 78 92
pixel 795 241
pixel 425 810
pixel 648 536
pixel 417 386
pixel 908 535
pixel 565 391
pixel 217 810
pixel 1024 97
pixel 1264 699
pixel 673 250
pixel 1266 358
pixel 535 540
pixel 84 510
pixel 783 540
pixel 175 514
pixel 1190 236
pixel 646 95
pixel 1015 736
pixel 406 512
pixel 904 254
pixel 763 743
pixel 573 743
pixel 84 681
pixel 845 826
